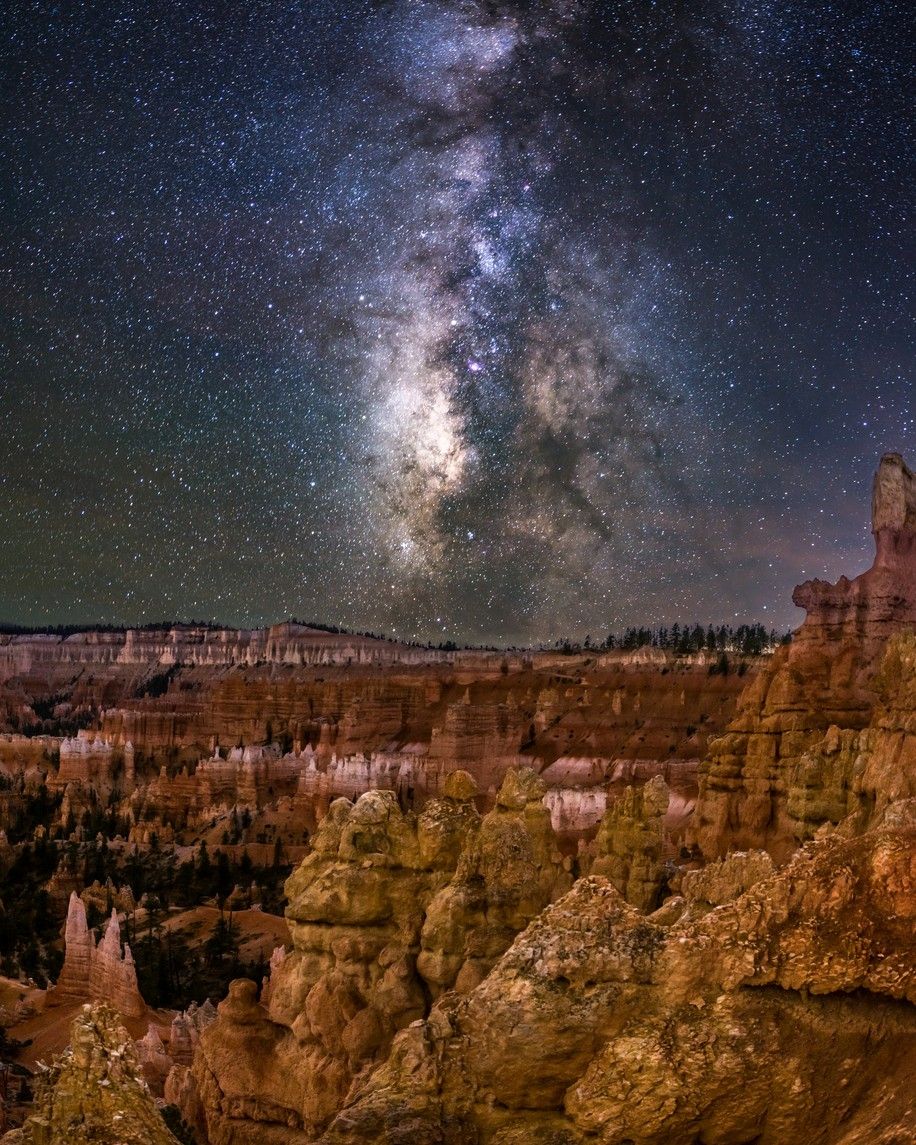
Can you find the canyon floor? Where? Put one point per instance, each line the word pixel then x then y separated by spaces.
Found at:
pixel 291 887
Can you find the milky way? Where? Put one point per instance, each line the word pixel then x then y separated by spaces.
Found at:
pixel 455 320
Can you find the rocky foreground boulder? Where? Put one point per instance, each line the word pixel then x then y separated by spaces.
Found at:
pixel 94 1093
pixel 776 1018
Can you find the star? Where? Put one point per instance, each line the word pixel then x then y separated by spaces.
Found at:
pixel 512 321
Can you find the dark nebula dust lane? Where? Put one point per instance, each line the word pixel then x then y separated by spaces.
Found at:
pixel 458 320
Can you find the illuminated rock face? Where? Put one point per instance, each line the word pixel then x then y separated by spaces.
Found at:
pixel 100 972
pixel 389 910
pixel 95 1091
pixel 762 1000
pixel 757 1004
pixel 630 844
pixel 790 760
pixel 773 1017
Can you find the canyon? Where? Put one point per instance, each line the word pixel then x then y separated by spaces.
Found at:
pixel 185 726
pixel 593 898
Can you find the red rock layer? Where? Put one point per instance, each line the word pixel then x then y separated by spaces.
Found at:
pixel 591 722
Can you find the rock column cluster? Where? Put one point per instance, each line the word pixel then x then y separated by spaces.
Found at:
pixel 101 972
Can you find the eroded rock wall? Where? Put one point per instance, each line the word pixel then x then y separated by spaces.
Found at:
pixel 173 746
pixel 790 760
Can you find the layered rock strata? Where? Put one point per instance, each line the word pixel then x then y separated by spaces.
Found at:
pixel 632 725
pixel 288 643
pixel 183 730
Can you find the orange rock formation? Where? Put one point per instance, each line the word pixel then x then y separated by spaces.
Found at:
pixel 177 763
pixel 98 972
pixel 452 981
pixel 789 761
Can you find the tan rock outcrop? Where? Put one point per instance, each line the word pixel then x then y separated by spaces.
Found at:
pixel 389 909
pixel 788 762
pixel 94 1094
pixel 90 761
pixel 108 897
pixel 722 881
pixel 773 1018
pixel 505 876
pixel 161 1049
pixel 356 908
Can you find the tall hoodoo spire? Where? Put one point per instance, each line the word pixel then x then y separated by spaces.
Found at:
pixel 102 972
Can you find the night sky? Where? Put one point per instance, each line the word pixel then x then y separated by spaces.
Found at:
pixel 448 318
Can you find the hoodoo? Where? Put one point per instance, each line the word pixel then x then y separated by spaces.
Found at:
pixel 790 760
pixel 98 972
pixel 452 981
